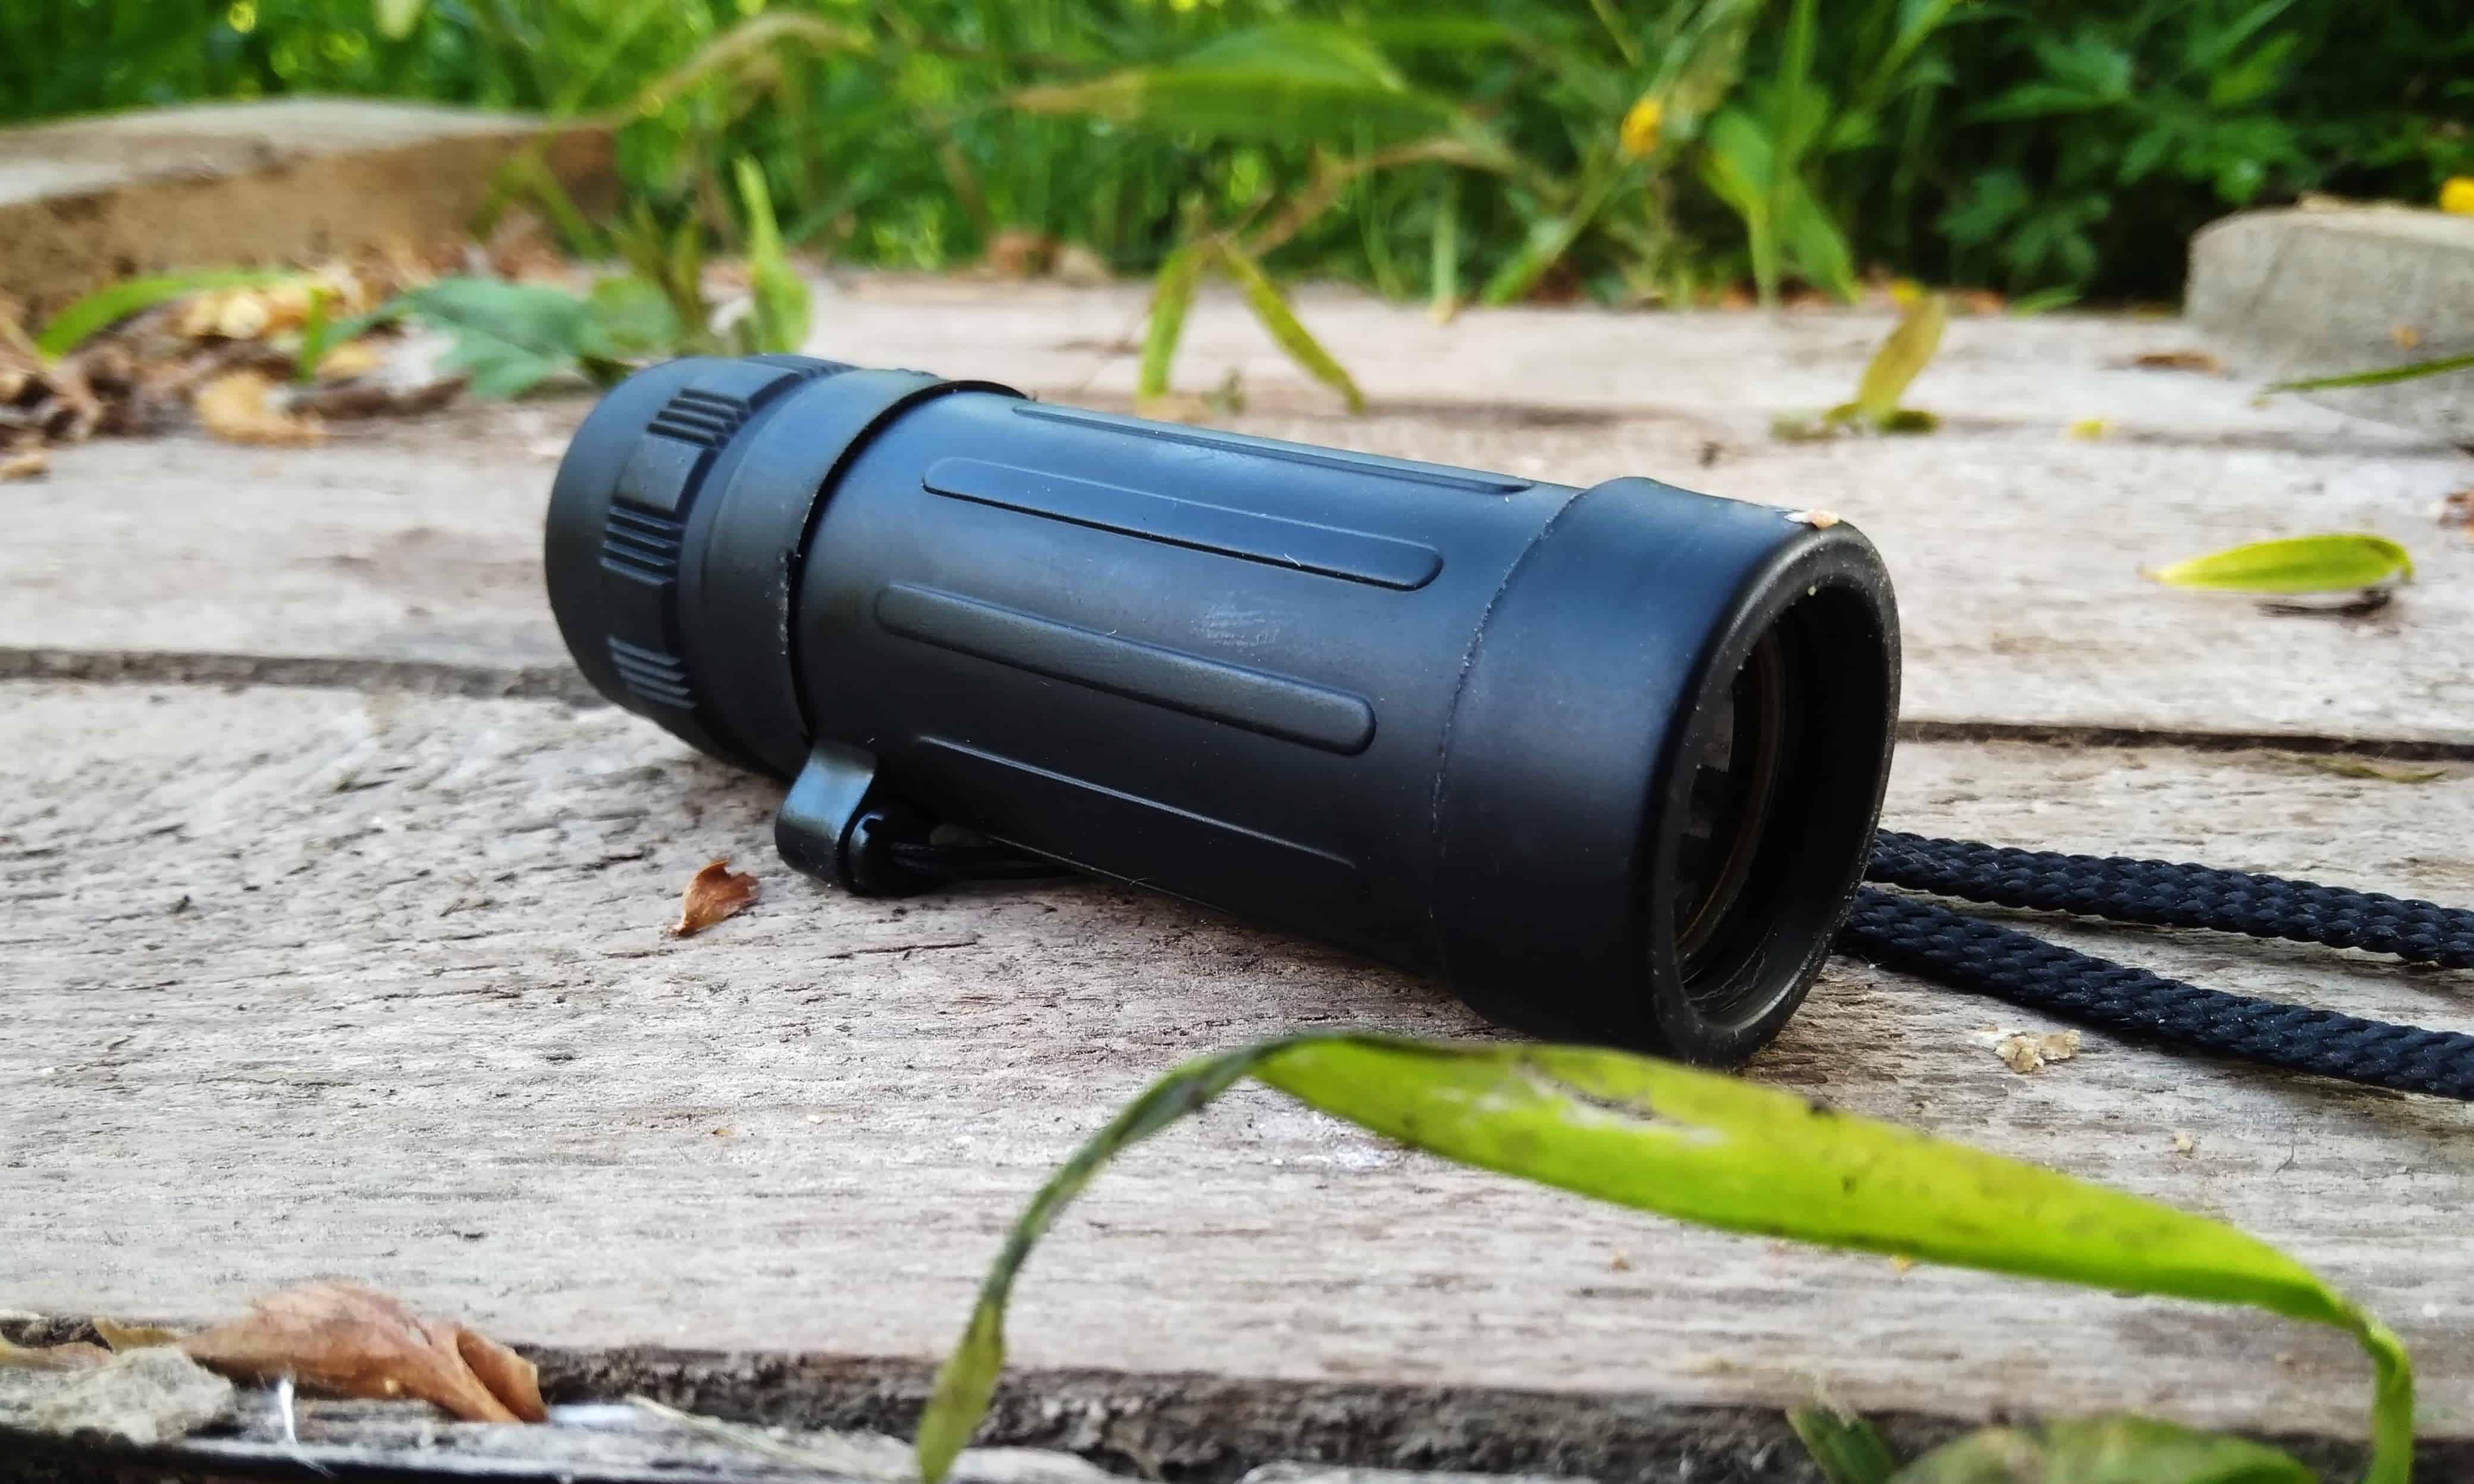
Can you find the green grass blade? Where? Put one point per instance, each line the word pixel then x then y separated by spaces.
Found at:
pixel 2382 377
pixel 780 320
pixel 108 306
pixel 1846 1449
pixel 968 1378
pixel 1702 1147
pixel 1904 353
pixel 1172 296
pixel 1272 308
pixel 2336 562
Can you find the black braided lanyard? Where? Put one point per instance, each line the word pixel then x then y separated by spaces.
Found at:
pixel 1921 937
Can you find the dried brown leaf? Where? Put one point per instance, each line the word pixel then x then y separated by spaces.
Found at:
pixel 717 892
pixel 351 1341
pixel 238 407
pixel 75 1356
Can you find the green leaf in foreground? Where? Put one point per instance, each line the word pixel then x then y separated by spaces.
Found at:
pixel 1706 1147
pixel 1846 1449
pixel 108 306
pixel 2412 372
pixel 2334 563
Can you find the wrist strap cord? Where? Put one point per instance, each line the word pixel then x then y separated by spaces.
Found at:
pixel 1930 940
pixel 1902 930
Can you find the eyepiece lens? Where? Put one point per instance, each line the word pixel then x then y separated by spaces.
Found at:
pixel 1735 782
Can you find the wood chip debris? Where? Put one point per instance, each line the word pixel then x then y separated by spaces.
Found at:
pixel 717 892
pixel 2031 1051
pixel 2179 360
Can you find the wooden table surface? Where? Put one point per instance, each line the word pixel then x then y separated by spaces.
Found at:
pixel 333 941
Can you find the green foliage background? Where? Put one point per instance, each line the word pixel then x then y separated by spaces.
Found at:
pixel 2029 146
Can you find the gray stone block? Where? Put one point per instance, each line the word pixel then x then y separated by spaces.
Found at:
pixel 2302 293
pixel 86 201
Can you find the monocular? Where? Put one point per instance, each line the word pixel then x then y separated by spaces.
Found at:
pixel 1606 761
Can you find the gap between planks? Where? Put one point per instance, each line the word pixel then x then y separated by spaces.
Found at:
pixel 568 687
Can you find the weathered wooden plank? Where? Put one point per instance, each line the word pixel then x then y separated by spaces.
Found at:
pixel 2016 554
pixel 307 981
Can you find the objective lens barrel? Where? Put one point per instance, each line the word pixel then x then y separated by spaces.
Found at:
pixel 1607 760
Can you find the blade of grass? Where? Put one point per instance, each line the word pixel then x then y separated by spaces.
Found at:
pixel 108 306
pixel 1707 1148
pixel 1272 308
pixel 1904 353
pixel 2382 377
pixel 1171 295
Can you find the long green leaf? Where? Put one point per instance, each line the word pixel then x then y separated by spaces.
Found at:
pixel 1706 1147
pixel 2381 378
pixel 2337 561
pixel 1172 296
pixel 112 304
pixel 968 1378
pixel 1271 307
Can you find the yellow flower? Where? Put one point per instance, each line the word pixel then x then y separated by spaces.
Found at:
pixel 2456 196
pixel 1905 291
pixel 1638 135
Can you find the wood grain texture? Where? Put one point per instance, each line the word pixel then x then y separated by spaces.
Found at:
pixel 311 983
pixel 2016 554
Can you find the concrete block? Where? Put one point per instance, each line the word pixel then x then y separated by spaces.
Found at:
pixel 86 201
pixel 2303 293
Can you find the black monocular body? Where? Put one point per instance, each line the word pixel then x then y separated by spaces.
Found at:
pixel 1606 761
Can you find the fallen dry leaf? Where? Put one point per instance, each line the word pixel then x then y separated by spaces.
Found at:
pixel 76 1355
pixel 2179 360
pixel 717 892
pixel 357 1342
pixel 2406 336
pixel 2022 1051
pixel 238 407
